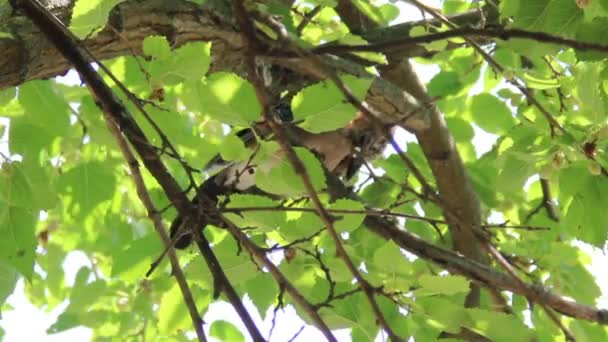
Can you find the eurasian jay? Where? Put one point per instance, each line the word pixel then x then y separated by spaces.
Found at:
pixel 342 152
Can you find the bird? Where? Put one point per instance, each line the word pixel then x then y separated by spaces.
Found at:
pixel 342 152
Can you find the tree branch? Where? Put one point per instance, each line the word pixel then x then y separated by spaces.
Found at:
pixel 249 34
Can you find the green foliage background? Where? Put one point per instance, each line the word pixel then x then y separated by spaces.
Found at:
pixel 64 186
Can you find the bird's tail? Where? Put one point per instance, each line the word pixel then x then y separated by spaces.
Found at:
pixel 180 228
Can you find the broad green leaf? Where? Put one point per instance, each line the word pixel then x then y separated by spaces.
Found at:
pixel 225 331
pixel 444 314
pixel 347 222
pixel 514 173
pixel 394 167
pixel 445 285
pixel 237 266
pixel 224 97
pixel 131 262
pixel 595 9
pixel 8 279
pixel 156 47
pixel 233 148
pixel 381 14
pixel 320 105
pixel 89 16
pixel 591 32
pixel 64 322
pixel 263 292
pixel 282 178
pixel 188 62
pixel 560 17
pixel 173 314
pixel 390 259
pixel 18 216
pixel 45 107
pixel 584 202
pixel 587 331
pixel 491 114
pixel 589 91
pixel 461 129
pixel 444 83
pixel 498 326
pixel 87 185
pixel 266 220
pixel 380 193
pixel 301 225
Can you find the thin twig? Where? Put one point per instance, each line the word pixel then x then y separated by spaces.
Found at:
pixel 154 215
pixel 530 294
pixel 249 33
pixel 369 212
pixel 497 67
pixel 489 32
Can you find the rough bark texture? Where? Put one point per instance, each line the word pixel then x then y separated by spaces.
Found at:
pixel 28 56
pixel 455 191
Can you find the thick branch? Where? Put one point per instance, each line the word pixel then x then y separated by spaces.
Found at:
pixel 480 273
pixel 161 230
pixel 28 57
pixel 455 190
pixel 281 137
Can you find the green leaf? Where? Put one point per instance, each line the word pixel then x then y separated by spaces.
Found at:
pixel 45 107
pixel 263 291
pixel 514 173
pixel 320 108
pixel 591 99
pixel 64 322
pixel 189 62
pixel 237 266
pixel 380 193
pixel 443 314
pixel 560 17
pixel 266 220
pixel 156 47
pixel 225 331
pixel 18 218
pixel 390 259
pixel 301 225
pixel 87 185
pixel 394 167
pixel 224 97
pixel 461 129
pixel 383 14
pixel 348 222
pixel 132 261
pixel 584 201
pixel 445 83
pixel 491 114
pixel 173 314
pixel 28 139
pixel 445 285
pixel 8 279
pixel 89 16
pixel 84 292
pixel 233 148
pixel 498 326
pixel 282 179
pixel 592 32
